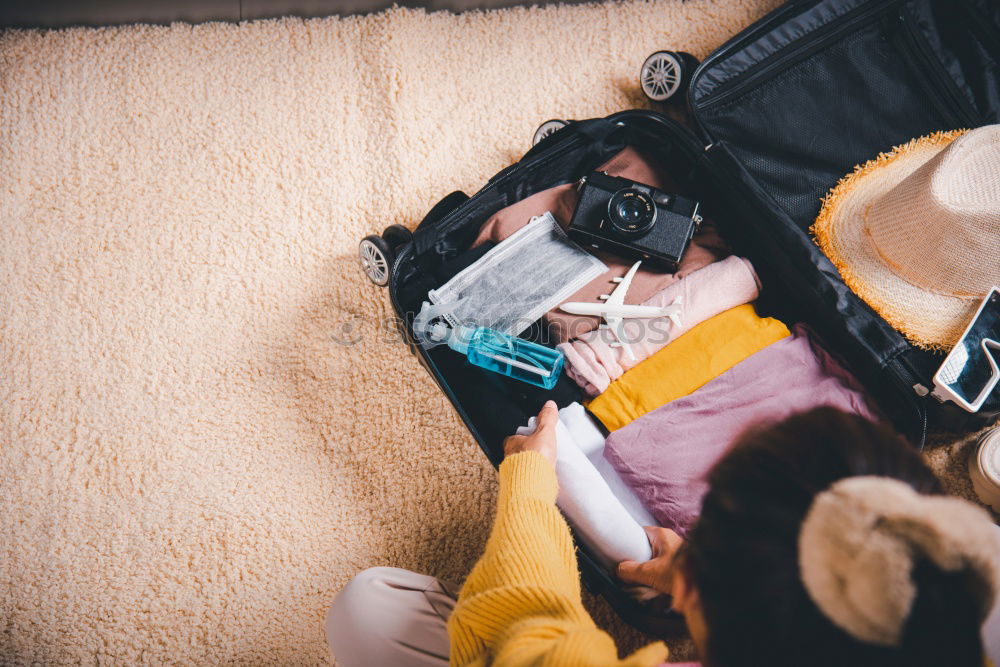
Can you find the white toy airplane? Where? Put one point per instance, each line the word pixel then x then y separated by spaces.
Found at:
pixel 614 311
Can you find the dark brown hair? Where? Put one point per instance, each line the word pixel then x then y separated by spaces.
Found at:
pixel 743 553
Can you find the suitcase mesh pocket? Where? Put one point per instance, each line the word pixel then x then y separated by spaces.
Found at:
pixel 801 130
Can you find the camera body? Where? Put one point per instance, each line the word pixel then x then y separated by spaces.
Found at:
pixel 633 220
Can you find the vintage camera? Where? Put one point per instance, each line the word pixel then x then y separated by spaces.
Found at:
pixel 633 220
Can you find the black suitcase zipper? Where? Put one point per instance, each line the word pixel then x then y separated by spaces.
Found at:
pixel 747 36
pixel 780 61
pixel 908 380
pixel 529 162
pixel 511 171
pixel 941 88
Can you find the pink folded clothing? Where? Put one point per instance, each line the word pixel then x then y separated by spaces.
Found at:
pixel 706 247
pixel 593 363
pixel 665 454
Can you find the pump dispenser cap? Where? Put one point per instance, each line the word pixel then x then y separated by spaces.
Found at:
pixel 428 327
pixel 431 329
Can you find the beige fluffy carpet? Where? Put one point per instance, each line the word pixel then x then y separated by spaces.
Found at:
pixel 206 426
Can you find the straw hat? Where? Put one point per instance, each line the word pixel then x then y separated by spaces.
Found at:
pixel 916 232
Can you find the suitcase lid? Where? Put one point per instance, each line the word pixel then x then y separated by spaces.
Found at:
pixel 814 88
pixel 791 104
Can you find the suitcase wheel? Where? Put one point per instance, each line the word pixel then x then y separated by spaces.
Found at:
pixel 376 253
pixel 397 236
pixel 664 73
pixel 545 129
pixel 376 258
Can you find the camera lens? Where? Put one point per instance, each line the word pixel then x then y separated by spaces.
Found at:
pixel 631 212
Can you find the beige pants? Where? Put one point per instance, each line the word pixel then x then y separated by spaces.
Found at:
pixel 389 616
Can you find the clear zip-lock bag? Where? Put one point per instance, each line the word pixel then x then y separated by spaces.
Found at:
pixel 526 275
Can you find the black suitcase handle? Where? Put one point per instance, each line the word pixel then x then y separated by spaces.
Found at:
pixel 423 238
pixel 447 204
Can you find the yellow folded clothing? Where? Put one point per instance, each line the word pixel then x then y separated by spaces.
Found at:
pixel 705 352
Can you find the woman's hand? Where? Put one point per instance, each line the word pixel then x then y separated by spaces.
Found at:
pixel 658 572
pixel 543 440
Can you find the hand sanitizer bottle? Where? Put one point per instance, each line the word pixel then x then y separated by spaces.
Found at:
pixel 494 350
pixel 514 357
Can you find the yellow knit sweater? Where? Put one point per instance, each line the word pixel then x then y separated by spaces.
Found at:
pixel 521 604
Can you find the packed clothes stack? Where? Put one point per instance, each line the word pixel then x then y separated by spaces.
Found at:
pixel 661 409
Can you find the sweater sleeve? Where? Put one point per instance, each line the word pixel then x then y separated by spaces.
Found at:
pixel 522 604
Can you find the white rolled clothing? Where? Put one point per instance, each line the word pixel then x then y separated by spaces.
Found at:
pixel 590 439
pixel 595 511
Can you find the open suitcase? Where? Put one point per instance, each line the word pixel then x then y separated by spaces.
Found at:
pixel 783 110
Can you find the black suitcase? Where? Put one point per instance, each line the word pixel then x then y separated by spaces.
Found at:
pixel 783 110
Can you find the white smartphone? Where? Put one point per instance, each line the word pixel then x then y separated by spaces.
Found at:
pixel 971 371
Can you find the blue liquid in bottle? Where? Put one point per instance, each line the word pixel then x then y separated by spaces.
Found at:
pixel 508 355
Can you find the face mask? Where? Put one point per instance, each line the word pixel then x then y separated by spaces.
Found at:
pixel 526 275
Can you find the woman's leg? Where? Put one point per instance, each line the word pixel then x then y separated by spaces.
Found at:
pixel 389 616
